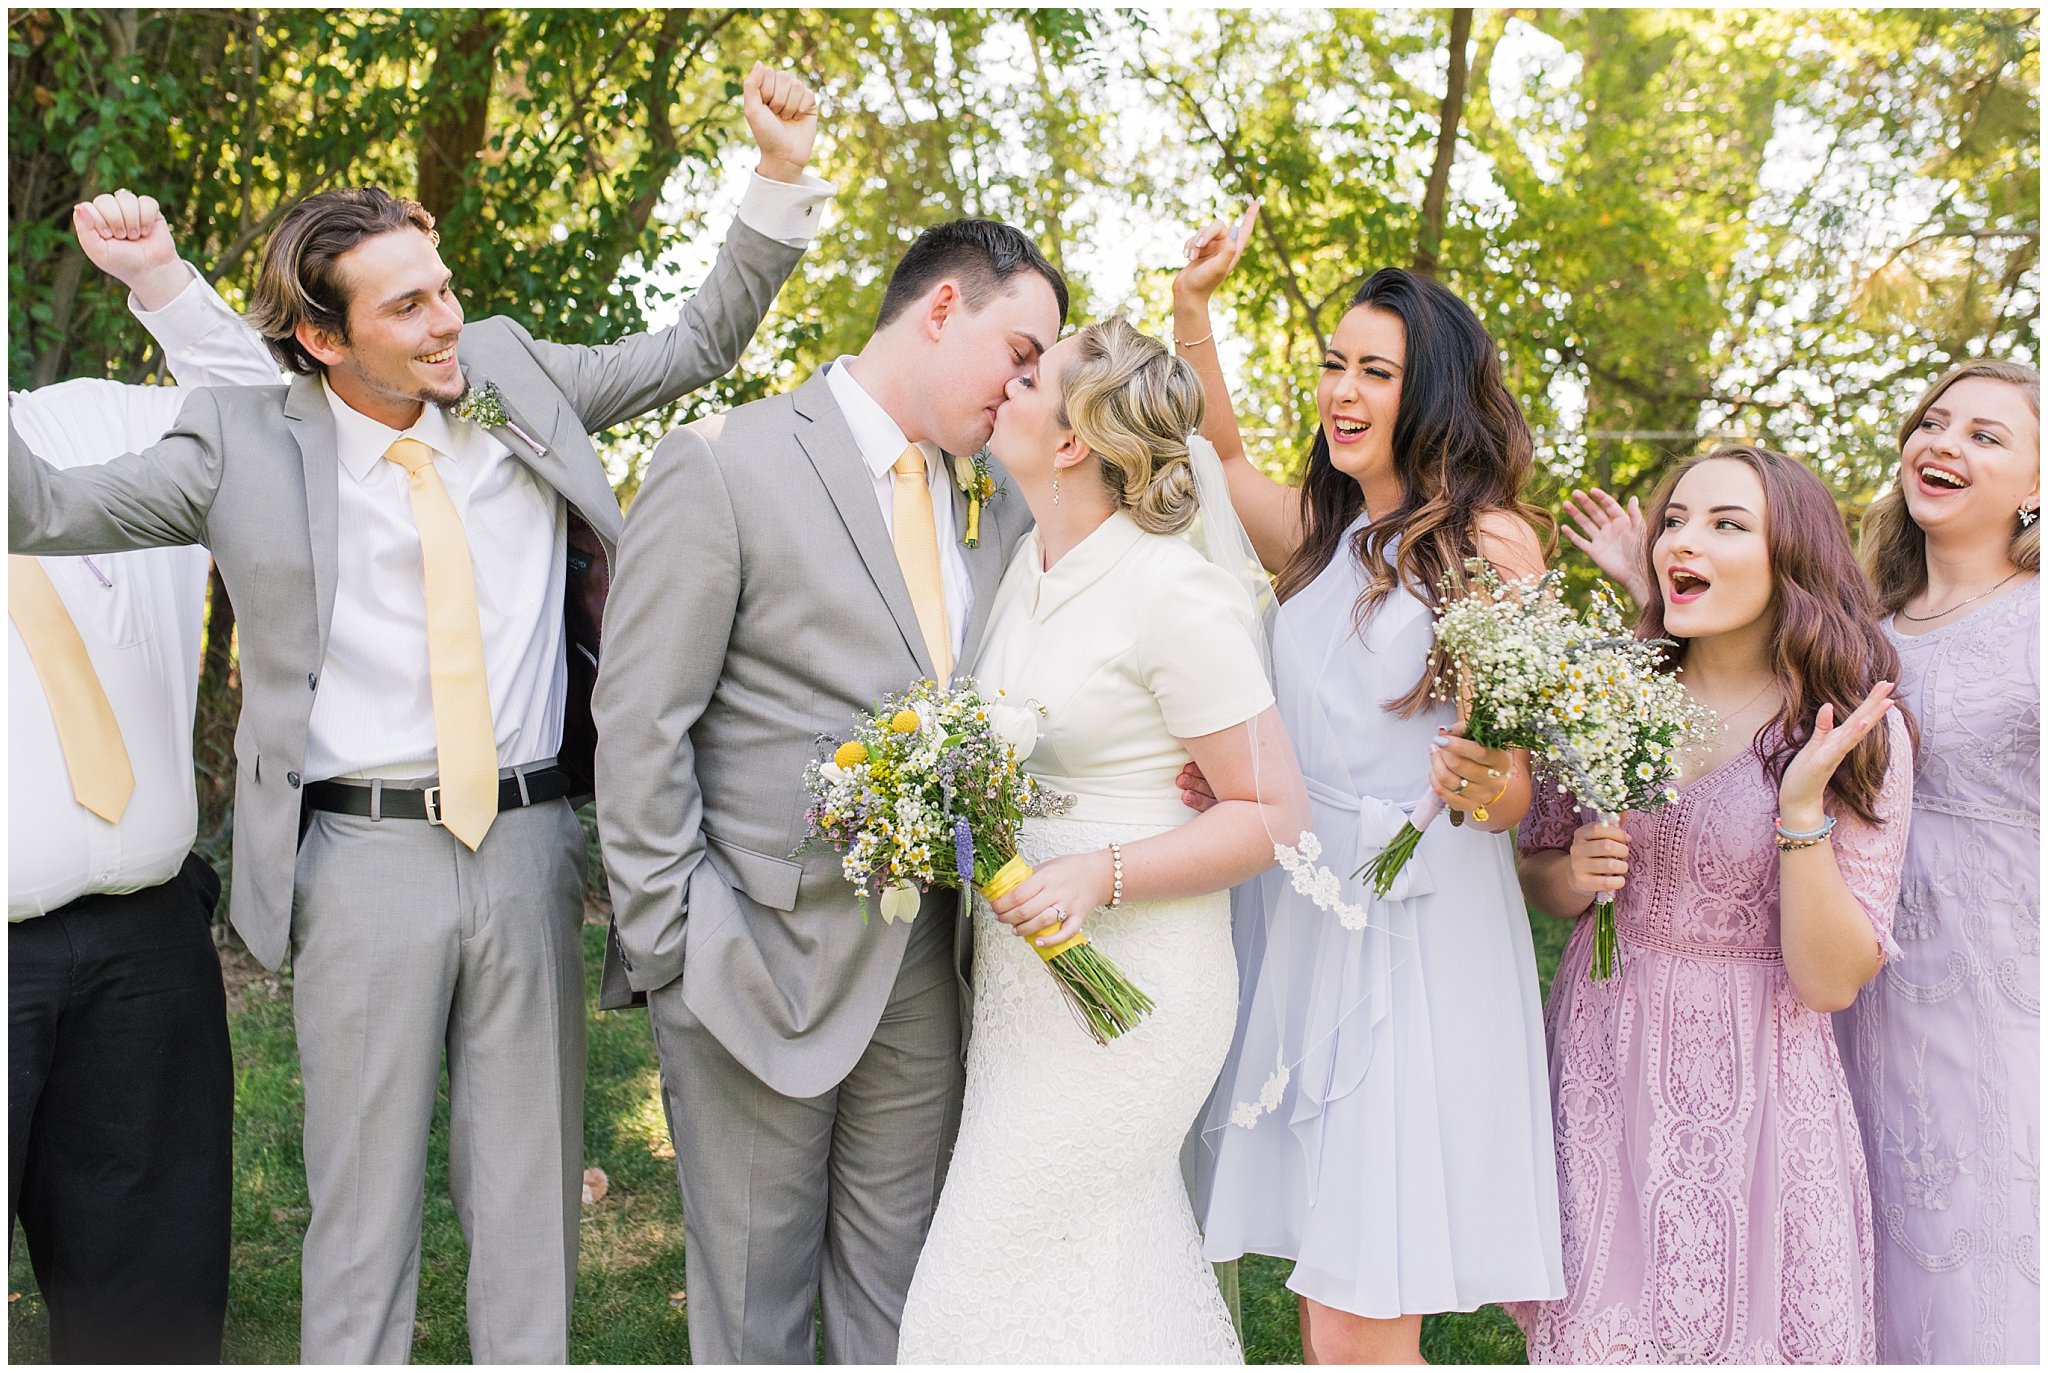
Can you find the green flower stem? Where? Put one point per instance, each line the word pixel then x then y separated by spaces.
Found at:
pixel 1103 1000
pixel 1604 950
pixel 1382 870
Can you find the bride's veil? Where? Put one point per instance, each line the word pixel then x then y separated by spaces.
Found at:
pixel 1316 947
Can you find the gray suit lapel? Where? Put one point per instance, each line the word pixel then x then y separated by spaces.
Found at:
pixel 822 433
pixel 312 425
pixel 539 447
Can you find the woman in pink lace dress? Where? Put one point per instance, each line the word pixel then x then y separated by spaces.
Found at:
pixel 1715 1202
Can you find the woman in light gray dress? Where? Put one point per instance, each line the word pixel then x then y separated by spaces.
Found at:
pixel 1943 1049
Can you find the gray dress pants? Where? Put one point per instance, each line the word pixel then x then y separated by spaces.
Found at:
pixel 801 1209
pixel 406 946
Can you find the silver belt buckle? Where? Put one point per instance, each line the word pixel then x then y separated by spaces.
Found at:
pixel 431 799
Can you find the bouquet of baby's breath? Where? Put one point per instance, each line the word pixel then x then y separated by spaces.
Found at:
pixel 1585 697
pixel 931 792
pixel 1507 648
pixel 1627 724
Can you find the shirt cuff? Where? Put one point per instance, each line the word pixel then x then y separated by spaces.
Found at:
pixel 787 211
pixel 192 314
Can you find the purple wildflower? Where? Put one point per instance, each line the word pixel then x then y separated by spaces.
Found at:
pixel 963 853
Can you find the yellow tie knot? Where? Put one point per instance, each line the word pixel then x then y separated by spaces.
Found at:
pixel 410 454
pixel 911 463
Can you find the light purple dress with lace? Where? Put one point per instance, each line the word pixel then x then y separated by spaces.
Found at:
pixel 1716 1208
pixel 1944 1048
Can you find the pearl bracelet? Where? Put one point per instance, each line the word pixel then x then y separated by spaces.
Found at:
pixel 1116 859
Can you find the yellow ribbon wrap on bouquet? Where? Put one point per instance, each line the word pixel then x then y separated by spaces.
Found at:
pixel 1008 878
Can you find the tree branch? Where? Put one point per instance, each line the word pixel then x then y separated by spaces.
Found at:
pixel 1430 238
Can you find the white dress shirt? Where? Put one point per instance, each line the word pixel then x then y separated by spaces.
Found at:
pixel 373 711
pixel 881 442
pixel 139 614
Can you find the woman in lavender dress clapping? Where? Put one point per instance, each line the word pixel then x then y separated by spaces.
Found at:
pixel 1944 1049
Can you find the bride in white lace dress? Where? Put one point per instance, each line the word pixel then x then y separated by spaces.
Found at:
pixel 1064 1232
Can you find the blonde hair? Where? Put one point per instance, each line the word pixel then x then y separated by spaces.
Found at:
pixel 1893 547
pixel 1135 404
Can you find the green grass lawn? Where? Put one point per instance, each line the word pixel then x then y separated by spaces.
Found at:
pixel 629 1284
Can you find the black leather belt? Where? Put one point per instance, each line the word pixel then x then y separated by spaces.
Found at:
pixel 389 801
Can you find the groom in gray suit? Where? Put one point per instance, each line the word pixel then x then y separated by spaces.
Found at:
pixel 786 565
pixel 419 590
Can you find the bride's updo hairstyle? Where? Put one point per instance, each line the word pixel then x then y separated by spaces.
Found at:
pixel 1135 404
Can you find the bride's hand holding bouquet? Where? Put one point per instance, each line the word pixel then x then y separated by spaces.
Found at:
pixel 1050 906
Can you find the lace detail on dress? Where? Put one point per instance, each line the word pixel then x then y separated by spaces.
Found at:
pixel 1064 1234
pixel 1944 1048
pixel 1712 1183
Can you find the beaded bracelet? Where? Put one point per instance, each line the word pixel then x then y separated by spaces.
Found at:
pixel 1116 859
pixel 1788 840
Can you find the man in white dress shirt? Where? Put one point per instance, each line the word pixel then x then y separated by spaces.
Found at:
pixel 120 1087
pixel 418 590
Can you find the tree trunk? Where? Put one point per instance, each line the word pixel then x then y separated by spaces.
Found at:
pixel 457 111
pixel 220 630
pixel 1430 238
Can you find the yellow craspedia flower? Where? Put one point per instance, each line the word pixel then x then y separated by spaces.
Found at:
pixel 850 754
pixel 904 722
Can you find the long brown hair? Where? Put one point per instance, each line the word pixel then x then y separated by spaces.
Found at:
pixel 1825 643
pixel 1894 546
pixel 1461 449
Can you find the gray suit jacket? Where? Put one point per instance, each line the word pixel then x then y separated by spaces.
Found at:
pixel 758 605
pixel 251 473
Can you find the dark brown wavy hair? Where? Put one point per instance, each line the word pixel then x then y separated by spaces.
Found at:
pixel 1461 449
pixel 1825 643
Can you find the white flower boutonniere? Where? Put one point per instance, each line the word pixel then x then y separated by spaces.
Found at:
pixel 485 408
pixel 979 484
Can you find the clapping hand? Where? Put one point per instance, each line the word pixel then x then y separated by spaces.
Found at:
pixel 1614 538
pixel 1212 253
pixel 1805 783
pixel 783 115
pixel 124 235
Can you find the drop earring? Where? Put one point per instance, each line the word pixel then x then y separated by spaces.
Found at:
pixel 1055 486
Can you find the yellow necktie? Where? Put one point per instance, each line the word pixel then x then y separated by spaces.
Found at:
pixel 917 553
pixel 87 732
pixel 465 742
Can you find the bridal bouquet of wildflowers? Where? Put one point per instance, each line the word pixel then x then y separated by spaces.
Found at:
pixel 930 791
pixel 1585 697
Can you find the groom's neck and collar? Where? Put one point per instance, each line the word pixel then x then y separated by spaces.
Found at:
pixel 970 309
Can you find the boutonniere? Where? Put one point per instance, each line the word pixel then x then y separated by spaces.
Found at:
pixel 979 484
pixel 486 409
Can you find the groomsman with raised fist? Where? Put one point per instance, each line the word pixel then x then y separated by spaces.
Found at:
pixel 120 1089
pixel 417 534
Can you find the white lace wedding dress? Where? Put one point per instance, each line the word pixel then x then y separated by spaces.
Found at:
pixel 1064 1233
